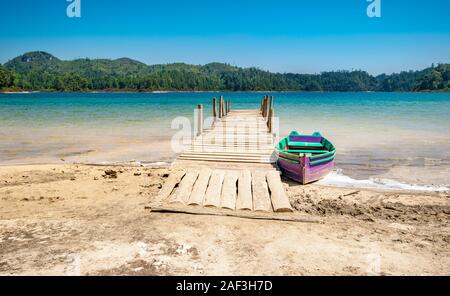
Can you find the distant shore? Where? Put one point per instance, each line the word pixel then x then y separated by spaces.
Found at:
pixel 130 75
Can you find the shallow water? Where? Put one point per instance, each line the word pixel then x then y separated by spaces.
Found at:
pixel 403 136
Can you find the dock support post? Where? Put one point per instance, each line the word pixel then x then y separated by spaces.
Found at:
pixel 200 119
pixel 265 107
pixel 262 105
pixel 223 107
pixel 269 121
pixel 214 108
pixel 270 114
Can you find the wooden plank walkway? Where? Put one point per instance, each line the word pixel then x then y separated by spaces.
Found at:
pixel 242 136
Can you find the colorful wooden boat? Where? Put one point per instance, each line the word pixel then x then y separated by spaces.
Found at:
pixel 305 158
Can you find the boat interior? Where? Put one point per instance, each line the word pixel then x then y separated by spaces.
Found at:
pixel 309 145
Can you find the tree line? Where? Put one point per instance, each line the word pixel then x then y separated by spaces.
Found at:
pixel 40 71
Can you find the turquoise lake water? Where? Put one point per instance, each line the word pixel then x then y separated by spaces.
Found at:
pixel 393 135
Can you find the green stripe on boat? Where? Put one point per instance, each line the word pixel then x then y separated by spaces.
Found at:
pixel 322 155
pixel 321 160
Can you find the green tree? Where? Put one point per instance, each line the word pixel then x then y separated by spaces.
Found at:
pixel 6 78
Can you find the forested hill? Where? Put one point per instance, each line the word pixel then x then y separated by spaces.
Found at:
pixel 42 71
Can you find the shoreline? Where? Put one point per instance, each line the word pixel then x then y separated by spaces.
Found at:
pixel 431 189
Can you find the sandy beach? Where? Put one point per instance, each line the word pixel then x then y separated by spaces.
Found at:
pixel 75 220
pixel 185 139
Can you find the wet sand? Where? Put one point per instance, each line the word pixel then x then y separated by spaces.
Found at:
pixel 76 220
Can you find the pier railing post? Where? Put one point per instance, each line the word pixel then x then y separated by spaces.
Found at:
pixel 200 119
pixel 262 105
pixel 270 115
pixel 269 121
pixel 214 108
pixel 265 107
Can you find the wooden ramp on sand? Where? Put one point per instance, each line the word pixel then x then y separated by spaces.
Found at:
pixel 255 194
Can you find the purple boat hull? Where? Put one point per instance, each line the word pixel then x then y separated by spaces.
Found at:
pixel 302 171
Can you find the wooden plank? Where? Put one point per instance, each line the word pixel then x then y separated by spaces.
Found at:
pixel 261 197
pixel 199 190
pixel 292 217
pixel 239 124
pixel 225 150
pixel 228 159
pixel 244 149
pixel 229 190
pixel 229 140
pixel 214 190
pixel 280 200
pixel 242 137
pixel 181 195
pixel 221 159
pixel 244 199
pixel 238 131
pixel 228 155
pixel 259 145
pixel 172 181
pixel 219 136
pixel 238 148
pixel 233 140
pixel 232 143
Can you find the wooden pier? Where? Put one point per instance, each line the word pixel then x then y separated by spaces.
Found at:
pixel 229 168
pixel 238 136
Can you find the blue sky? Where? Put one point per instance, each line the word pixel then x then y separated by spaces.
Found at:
pixel 304 36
